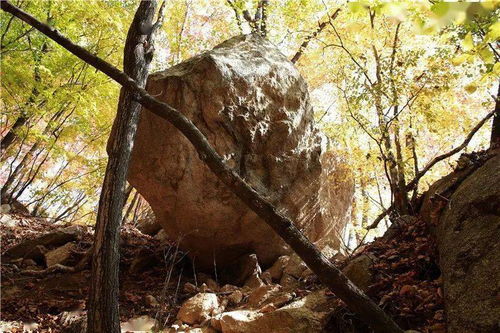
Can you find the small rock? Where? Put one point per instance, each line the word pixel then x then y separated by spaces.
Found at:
pixel 151 301
pixel 268 308
pixel 295 267
pixel 228 288
pixel 237 321
pixel 51 239
pixel 148 225
pixel 304 315
pixel 288 281
pixel 305 274
pixel 141 324
pixel 235 297
pixel 37 253
pixel 204 288
pixel 261 294
pixel 189 288
pixel 8 221
pixel 222 307
pixel 161 236
pixel 282 299
pixel 29 263
pixel 5 208
pixel 61 255
pixel 215 322
pixel 212 285
pixel 198 308
pixel 242 269
pixel 266 278
pixel 358 271
pixel 254 281
pixel 276 270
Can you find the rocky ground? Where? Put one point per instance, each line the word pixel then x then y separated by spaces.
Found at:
pixel 161 287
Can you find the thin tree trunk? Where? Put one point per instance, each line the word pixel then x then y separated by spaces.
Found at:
pixel 364 203
pixel 103 311
pixel 403 206
pixel 138 205
pixel 330 275
pixel 130 207
pixel 495 127
pixel 11 135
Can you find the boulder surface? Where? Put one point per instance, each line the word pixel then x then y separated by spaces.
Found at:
pixel 253 106
pixel 467 237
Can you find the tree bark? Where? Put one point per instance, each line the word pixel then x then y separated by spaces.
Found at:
pixel 330 275
pixel 103 311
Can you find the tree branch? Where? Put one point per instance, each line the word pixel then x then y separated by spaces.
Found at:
pixel 315 33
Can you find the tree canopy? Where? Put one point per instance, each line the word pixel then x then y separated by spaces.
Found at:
pixel 393 84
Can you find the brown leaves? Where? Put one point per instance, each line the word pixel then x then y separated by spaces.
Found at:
pixel 408 283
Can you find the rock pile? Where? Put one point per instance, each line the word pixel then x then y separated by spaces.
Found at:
pixel 276 304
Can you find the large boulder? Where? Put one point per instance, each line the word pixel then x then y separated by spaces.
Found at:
pixel 467 235
pixel 253 106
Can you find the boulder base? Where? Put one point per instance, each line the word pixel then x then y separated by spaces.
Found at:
pixel 253 106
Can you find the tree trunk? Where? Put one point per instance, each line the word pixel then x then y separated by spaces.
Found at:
pixel 11 135
pixel 103 312
pixel 402 203
pixel 495 127
pixel 330 275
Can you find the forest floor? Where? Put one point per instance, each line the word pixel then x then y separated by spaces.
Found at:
pixel 405 281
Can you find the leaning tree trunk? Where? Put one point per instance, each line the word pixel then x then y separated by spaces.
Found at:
pixel 330 275
pixel 103 312
pixel 495 128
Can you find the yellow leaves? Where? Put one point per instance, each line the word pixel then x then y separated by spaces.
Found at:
pixel 493 33
pixel 458 60
pixel 468 43
pixel 486 55
pixel 496 69
pixel 490 5
pixel 358 7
